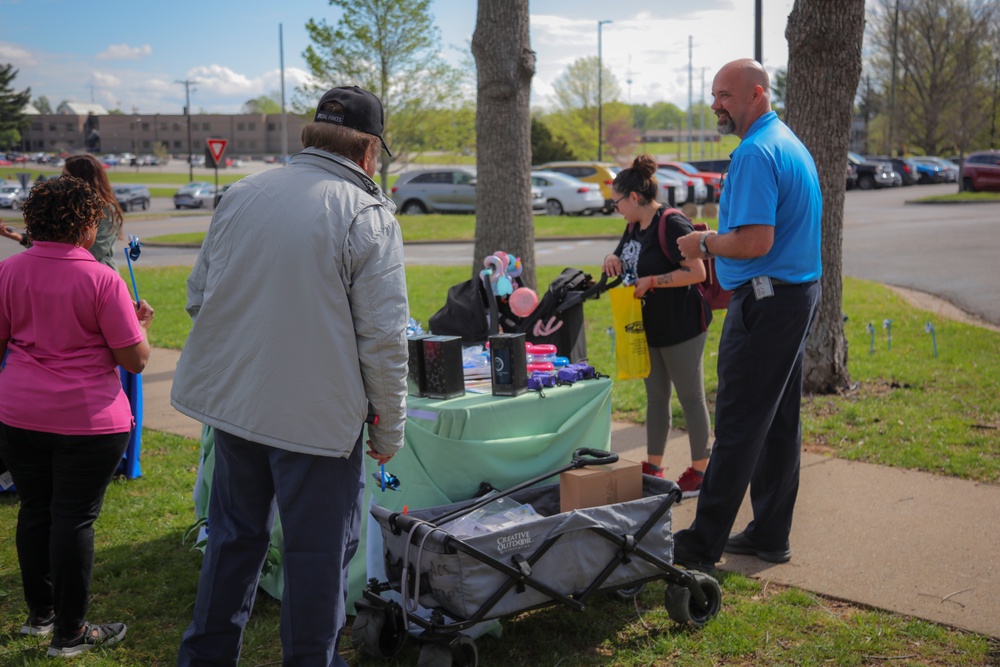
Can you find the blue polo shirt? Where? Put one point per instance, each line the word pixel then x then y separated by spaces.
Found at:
pixel 772 180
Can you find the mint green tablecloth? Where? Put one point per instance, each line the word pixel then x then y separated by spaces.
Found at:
pixel 452 446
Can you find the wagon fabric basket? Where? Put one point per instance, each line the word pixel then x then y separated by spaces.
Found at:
pixel 558 556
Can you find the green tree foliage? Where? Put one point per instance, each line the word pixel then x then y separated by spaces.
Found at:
pixel 545 147
pixel 576 119
pixel 658 116
pixel 12 105
pixel 392 48
pixel 945 70
pixel 452 130
pixel 264 104
pixel 43 105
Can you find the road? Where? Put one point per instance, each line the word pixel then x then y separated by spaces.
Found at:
pixel 949 251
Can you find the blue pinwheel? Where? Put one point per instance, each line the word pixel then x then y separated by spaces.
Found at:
pixel 132 251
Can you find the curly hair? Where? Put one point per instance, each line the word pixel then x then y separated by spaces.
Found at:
pixel 87 168
pixel 638 178
pixel 62 209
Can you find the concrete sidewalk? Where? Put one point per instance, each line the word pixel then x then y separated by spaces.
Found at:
pixel 909 542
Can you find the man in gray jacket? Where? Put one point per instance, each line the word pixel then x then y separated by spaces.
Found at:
pixel 299 305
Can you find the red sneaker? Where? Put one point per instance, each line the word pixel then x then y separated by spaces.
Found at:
pixel 690 483
pixel 649 469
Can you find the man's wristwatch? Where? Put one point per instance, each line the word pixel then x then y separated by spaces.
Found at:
pixel 702 247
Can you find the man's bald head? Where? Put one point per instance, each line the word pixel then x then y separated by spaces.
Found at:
pixel 742 92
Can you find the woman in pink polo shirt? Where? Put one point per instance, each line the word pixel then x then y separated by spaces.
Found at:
pixel 66 323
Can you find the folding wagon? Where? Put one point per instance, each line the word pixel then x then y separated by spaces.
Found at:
pixel 553 558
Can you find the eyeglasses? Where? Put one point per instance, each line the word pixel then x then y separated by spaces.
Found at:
pixel 614 202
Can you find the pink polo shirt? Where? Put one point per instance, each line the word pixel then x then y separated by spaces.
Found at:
pixel 63 312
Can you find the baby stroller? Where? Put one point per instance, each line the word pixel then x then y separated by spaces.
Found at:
pixel 552 558
pixel 474 312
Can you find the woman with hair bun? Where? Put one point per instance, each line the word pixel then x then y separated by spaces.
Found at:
pixel 674 316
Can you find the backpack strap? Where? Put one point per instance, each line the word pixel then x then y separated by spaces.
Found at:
pixel 662 228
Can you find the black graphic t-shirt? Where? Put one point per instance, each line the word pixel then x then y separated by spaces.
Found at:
pixel 670 315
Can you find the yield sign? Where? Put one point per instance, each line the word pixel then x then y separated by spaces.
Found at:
pixel 217 147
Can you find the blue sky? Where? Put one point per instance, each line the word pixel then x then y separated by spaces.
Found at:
pixel 130 54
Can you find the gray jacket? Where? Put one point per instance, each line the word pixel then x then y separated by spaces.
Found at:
pixel 299 304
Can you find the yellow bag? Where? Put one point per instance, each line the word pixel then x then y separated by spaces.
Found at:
pixel 631 351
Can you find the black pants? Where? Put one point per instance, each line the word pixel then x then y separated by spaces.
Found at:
pixel 61 480
pixel 758 430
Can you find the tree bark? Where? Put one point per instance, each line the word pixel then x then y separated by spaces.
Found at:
pixel 505 64
pixel 824 67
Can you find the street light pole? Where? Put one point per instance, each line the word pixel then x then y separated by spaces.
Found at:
pixel 135 139
pixel 187 112
pixel 600 102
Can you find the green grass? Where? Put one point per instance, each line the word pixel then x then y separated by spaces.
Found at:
pixel 145 577
pixel 461 227
pixel 960 197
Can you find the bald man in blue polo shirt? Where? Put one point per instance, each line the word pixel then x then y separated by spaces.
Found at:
pixel 768 253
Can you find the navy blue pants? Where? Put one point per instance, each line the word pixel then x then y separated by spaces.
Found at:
pixel 758 430
pixel 61 481
pixel 319 501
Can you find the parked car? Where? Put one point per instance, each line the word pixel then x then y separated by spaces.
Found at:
pixel 871 173
pixel 852 176
pixel 930 172
pixel 600 173
pixel 195 195
pixel 981 171
pixel 538 201
pixel 680 181
pixel 131 197
pixel 949 170
pixel 567 195
pixel 905 167
pixel 12 196
pixel 435 191
pixel 720 165
pixel 711 178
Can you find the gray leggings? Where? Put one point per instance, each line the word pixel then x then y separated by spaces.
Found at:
pixel 678 366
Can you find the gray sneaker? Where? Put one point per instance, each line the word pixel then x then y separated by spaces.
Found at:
pixel 39 626
pixel 91 637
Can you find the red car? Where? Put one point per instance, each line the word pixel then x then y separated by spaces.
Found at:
pixel 712 178
pixel 981 171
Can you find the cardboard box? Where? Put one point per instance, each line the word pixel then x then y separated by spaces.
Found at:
pixel 594 486
pixel 416 377
pixel 443 372
pixel 509 360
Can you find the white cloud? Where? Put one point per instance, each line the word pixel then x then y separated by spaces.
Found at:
pixel 11 53
pixel 125 52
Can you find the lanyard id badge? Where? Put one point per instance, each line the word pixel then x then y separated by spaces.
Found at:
pixel 762 287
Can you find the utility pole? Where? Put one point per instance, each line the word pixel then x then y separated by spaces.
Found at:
pixel 758 40
pixel 701 138
pixel 187 112
pixel 690 98
pixel 284 119
pixel 600 102
pixel 892 87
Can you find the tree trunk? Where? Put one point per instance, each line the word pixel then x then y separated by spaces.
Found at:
pixel 824 67
pixel 505 64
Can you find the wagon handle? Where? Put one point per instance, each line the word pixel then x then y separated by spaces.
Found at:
pixel 581 457
pixel 585 456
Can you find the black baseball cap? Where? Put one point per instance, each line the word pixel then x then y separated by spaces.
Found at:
pixel 362 111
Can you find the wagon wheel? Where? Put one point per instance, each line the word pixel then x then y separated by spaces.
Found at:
pixel 460 652
pixel 629 592
pixel 377 634
pixel 683 609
